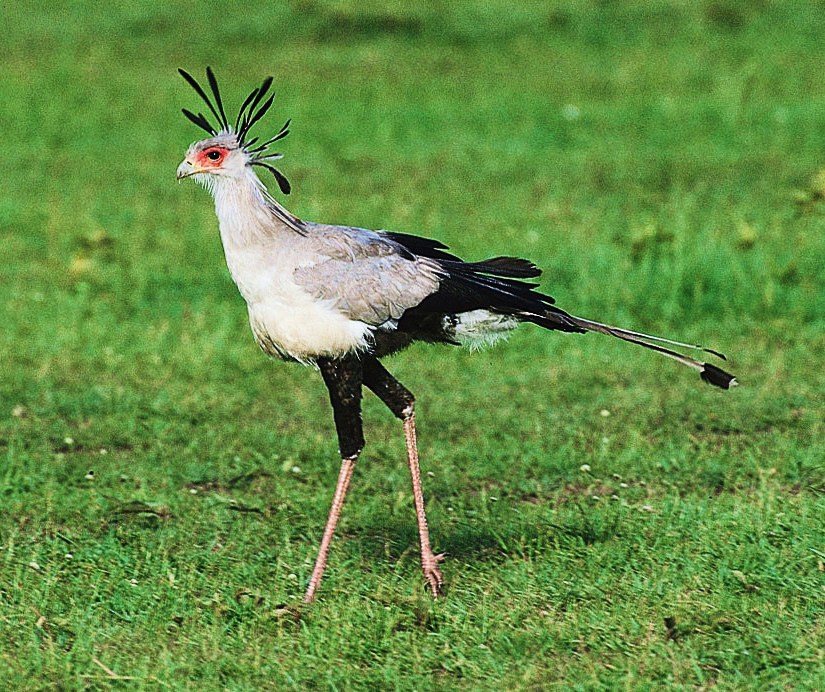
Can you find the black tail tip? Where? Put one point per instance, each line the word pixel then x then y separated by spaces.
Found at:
pixel 717 377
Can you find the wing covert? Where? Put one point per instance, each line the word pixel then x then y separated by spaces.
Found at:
pixel 371 288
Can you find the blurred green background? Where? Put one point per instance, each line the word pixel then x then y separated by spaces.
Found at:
pixel 164 485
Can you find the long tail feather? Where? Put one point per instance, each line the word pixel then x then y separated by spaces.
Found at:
pixel 616 331
pixel 474 292
pixel 708 372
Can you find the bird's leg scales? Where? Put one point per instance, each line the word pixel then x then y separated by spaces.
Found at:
pixel 429 561
pixel 344 477
pixel 343 378
pixel 401 402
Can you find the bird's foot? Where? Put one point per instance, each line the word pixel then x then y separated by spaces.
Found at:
pixel 429 563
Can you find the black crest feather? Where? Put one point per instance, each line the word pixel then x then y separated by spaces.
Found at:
pixel 213 83
pixel 283 183
pixel 254 107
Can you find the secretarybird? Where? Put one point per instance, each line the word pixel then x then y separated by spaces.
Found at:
pixel 340 298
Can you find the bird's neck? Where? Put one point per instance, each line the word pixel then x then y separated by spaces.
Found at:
pixel 247 215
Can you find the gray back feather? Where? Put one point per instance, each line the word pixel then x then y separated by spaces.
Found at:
pixel 365 275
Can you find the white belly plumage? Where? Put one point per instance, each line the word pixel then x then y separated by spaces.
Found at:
pixel 287 321
pixel 306 330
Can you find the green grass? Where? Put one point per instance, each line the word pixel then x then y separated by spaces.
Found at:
pixel 164 486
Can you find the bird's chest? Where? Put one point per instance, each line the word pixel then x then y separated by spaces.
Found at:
pixel 287 321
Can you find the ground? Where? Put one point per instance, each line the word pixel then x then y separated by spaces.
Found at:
pixel 610 521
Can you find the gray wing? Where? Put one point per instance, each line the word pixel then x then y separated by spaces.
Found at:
pixel 365 275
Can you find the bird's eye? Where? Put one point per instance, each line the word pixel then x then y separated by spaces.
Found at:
pixel 213 155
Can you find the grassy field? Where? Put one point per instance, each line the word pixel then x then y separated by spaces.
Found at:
pixel 610 521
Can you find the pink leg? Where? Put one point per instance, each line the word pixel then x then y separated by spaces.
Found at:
pixel 429 562
pixel 347 466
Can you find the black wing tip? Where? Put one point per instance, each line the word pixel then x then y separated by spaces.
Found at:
pixel 717 377
pixel 513 267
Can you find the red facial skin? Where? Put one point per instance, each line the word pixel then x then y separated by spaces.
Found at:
pixel 211 158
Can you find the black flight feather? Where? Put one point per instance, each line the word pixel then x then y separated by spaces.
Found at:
pixel 464 289
pixel 507 266
pixel 513 267
pixel 425 247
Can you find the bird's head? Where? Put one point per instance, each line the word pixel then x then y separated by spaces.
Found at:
pixel 217 156
pixel 229 152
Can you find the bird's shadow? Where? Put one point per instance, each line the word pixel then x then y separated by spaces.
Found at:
pixel 393 538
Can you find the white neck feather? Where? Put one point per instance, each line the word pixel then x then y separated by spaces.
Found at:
pixel 247 215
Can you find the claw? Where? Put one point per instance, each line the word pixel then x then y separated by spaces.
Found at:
pixel 429 563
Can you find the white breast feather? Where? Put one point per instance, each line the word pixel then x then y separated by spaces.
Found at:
pixel 285 319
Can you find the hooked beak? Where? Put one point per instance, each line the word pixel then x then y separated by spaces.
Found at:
pixel 185 170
